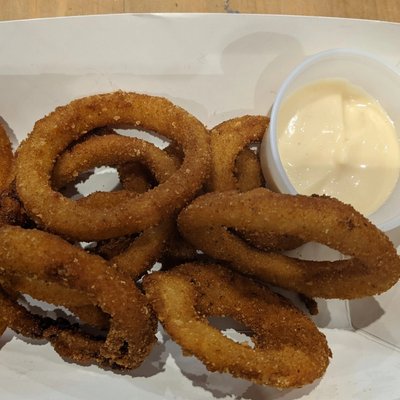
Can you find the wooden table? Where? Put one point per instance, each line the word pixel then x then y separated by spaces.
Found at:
pixel 388 10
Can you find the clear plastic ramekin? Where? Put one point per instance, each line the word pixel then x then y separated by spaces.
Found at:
pixel 361 69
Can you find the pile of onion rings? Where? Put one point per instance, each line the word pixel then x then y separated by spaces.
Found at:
pixel 41 256
pixel 81 137
pixel 199 201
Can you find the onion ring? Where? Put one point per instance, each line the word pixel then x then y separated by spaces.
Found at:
pixel 74 300
pixel 18 318
pixel 235 167
pixel 111 150
pixel 68 341
pixel 43 256
pixel 289 350
pixel 53 293
pixel 144 250
pixel 54 133
pixel 139 253
pixel 374 266
pixel 227 140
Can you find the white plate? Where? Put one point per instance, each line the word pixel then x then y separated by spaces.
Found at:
pixel 217 67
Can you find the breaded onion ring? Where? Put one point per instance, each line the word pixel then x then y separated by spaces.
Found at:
pixel 18 318
pixel 373 268
pixel 74 300
pixel 227 140
pixel 45 257
pixel 53 293
pixel 111 150
pixel 235 167
pixel 289 350
pixel 54 133
pixel 60 332
pixel 141 252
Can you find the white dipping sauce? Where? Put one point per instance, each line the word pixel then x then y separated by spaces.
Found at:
pixel 335 139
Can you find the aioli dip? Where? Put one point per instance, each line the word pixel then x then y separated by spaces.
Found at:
pixel 335 139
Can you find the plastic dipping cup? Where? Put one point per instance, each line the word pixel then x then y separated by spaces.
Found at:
pixel 360 69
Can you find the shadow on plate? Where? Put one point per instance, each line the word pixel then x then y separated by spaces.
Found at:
pixel 154 363
pixel 6 338
pixel 364 312
pixel 240 59
pixel 244 77
pixel 323 318
pixel 9 335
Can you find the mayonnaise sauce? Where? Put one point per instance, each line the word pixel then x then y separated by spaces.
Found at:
pixel 335 139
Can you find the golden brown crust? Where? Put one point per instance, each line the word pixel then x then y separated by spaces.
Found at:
pixel 53 293
pixel 374 266
pixel 289 350
pixel 236 167
pixel 268 241
pixel 228 139
pixel 145 250
pixel 50 292
pixel 15 316
pixel 133 254
pixel 52 135
pixel 46 257
pixel 110 150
